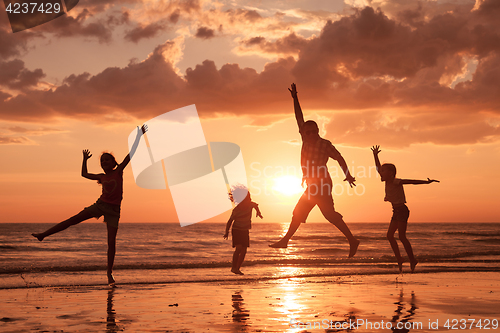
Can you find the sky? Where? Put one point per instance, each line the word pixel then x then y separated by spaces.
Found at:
pixel 419 78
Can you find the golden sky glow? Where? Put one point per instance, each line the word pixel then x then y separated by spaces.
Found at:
pixel 421 79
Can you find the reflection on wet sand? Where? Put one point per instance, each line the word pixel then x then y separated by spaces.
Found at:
pixel 111 326
pixel 240 314
pixel 402 323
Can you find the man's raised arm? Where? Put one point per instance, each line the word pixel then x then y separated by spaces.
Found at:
pixel 299 116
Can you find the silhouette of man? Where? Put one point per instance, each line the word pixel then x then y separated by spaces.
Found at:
pixel 314 155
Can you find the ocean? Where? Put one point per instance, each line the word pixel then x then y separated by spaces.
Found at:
pixel 168 253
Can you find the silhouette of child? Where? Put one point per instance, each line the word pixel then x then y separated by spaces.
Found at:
pixel 242 218
pixel 394 193
pixel 108 203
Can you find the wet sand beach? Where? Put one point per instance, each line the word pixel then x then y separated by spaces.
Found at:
pixel 421 302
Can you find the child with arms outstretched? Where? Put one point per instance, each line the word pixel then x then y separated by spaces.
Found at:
pixel 242 218
pixel 108 203
pixel 394 193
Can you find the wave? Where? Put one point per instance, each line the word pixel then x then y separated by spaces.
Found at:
pixel 163 276
pixel 462 257
pixel 490 240
pixel 475 234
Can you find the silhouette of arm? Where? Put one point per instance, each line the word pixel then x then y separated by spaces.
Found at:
pixel 228 226
pixel 376 150
pixel 418 182
pixel 85 173
pixel 343 166
pixel 126 160
pixel 299 116
pixel 258 211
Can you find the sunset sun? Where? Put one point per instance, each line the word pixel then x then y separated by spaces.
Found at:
pixel 287 185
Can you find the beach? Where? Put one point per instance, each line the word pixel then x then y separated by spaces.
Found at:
pixel 166 284
pixel 420 302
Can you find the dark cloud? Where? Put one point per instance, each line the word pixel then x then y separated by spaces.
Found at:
pixel 118 18
pixel 12 44
pixel 174 17
pixel 367 128
pixel 205 33
pixel 489 9
pixel 67 26
pixel 96 6
pixel 14 76
pixel 144 89
pixel 243 15
pixel 288 45
pixel 145 31
pixel 187 5
pixel 4 96
pixel 364 61
pixel 251 15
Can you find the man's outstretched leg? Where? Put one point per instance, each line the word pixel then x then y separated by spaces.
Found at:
pixel 328 210
pixel 300 213
pixel 283 242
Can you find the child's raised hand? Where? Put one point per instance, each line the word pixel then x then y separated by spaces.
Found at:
pixel 293 91
pixel 432 180
pixel 376 150
pixel 144 128
pixel 86 154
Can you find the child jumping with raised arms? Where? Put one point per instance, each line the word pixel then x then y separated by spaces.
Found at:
pixel 394 193
pixel 242 218
pixel 108 203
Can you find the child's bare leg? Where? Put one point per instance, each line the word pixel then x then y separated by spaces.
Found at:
pixel 112 231
pixel 236 256
pixel 241 258
pixel 82 216
pixel 394 245
pixel 407 245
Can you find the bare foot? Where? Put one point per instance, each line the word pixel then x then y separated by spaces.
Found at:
pixel 413 264
pixel 354 248
pixel 237 271
pixel 111 279
pixel 279 245
pixel 400 265
pixel 38 236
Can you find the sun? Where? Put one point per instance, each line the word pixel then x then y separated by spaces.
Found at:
pixel 287 185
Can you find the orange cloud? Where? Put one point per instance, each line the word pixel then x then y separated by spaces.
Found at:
pixel 19 140
pixel 364 61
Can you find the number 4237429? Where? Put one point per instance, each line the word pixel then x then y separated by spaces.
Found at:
pixel 462 324
pixel 33 8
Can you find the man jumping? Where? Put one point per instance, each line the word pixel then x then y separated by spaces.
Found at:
pixel 314 155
